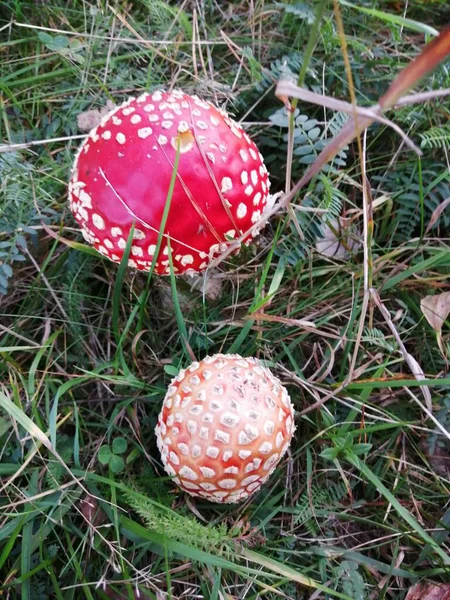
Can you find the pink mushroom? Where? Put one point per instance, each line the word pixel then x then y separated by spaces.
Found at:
pixel 225 424
pixel 123 170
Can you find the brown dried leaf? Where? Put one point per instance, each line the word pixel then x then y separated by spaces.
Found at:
pixel 436 309
pixel 429 591
pixel 437 212
pixel 89 119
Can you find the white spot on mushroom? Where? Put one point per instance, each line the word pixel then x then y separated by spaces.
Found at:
pixel 237 132
pixel 166 124
pixel 222 436
pixel 243 154
pixel 243 454
pixel 183 127
pixel 250 479
pixel 189 485
pixel 231 470
pixel 265 448
pixel 228 484
pixel 149 107
pixel 162 140
pixel 211 157
pixel 256 198
pixel 270 462
pixel 227 455
pixel 196 451
pixel 207 472
pixel 222 148
pixel 254 177
pixel 85 199
pixel 214 120
pixel 244 177
pixel 106 135
pixel 183 448
pixel 116 120
pixel 241 211
pixel 202 125
pixel 174 458
pixel 144 132
pixel 108 243
pixel 137 251
pixel 253 465
pixel 121 138
pixel 142 98
pixel 122 243
pixel 187 259
pixel 212 451
pixel 151 249
pixel 157 96
pixel 209 487
pixel 226 185
pixel 269 427
pixel 136 119
pixel 252 153
pixel 248 190
pixel 256 216
pixel 191 427
pixel 128 110
pixel 229 419
pixel 98 221
pixel 253 486
pixel 153 118
pixel 204 433
pixel 188 473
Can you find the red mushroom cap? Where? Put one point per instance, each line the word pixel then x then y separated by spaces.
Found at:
pixel 123 170
pixel 225 424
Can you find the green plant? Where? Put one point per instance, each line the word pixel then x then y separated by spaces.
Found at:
pixel 112 455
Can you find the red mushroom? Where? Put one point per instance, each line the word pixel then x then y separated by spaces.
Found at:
pixel 224 426
pixel 123 170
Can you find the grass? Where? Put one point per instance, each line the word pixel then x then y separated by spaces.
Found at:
pixel 359 509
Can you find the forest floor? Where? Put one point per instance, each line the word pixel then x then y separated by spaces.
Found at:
pixel 345 297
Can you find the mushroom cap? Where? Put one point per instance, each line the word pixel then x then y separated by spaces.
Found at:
pixel 224 426
pixel 122 175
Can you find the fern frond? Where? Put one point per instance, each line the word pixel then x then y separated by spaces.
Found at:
pixel 436 137
pixel 315 500
pixel 209 538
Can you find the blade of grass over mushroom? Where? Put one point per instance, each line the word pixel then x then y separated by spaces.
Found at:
pixel 120 278
pixel 145 294
pixel 176 302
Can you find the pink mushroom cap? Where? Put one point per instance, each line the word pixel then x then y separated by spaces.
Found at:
pixel 225 424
